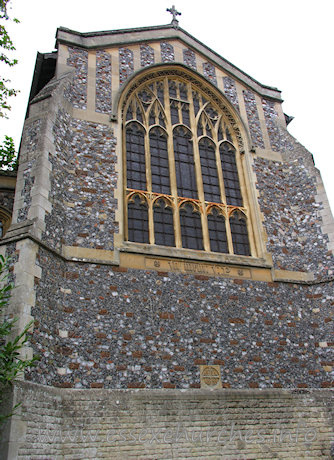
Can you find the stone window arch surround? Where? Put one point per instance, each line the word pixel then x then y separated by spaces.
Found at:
pixel 5 218
pixel 259 255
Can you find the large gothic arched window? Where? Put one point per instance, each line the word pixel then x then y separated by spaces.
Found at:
pixel 183 176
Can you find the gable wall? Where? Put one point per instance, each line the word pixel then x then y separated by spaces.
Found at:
pixel 93 326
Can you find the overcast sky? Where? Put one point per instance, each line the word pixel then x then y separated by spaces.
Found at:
pixel 287 44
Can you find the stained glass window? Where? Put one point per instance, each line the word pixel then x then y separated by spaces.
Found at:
pixel 182 158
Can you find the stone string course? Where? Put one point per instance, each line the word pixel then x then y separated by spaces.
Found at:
pixel 220 424
pixel 189 59
pixel 271 118
pixel 209 72
pixel 77 92
pixel 83 208
pixel 101 326
pixel 146 55
pixel 253 119
pixel 230 90
pixel 103 82
pixel 167 52
pixel 126 65
pixel 287 193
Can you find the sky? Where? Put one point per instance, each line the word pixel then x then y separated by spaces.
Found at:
pixel 287 44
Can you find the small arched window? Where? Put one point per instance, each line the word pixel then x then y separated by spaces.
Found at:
pixel 5 220
pixel 184 184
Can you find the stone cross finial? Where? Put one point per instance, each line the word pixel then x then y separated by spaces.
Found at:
pixel 175 13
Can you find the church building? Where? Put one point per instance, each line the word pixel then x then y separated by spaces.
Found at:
pixel 173 245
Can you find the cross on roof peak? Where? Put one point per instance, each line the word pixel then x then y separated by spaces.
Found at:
pixel 175 13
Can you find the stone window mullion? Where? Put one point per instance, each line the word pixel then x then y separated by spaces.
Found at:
pixel 219 165
pixel 199 180
pixel 150 219
pixel 172 173
pixel 228 232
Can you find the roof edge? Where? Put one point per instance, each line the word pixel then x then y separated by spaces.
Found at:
pixel 102 39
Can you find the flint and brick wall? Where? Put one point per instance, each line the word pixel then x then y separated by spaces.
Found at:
pixel 132 58
pixel 82 185
pixel 108 326
pixel 287 199
pixel 111 327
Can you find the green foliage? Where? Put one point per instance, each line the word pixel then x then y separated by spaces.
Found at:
pixel 8 158
pixel 6 45
pixel 11 362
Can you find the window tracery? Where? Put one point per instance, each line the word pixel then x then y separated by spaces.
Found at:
pixel 182 184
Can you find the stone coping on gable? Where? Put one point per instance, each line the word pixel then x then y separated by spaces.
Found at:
pixel 95 40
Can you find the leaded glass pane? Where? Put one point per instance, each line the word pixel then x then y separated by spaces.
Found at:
pixel 139 115
pixel 217 232
pixel 191 228
pixel 239 234
pixel 172 88
pixel 209 170
pixel 161 120
pixel 152 117
pixel 200 128
pixel 137 221
pixel 211 112
pixel 174 112
pixel 160 92
pixel 230 174
pixel 208 128
pixel 196 103
pixel 220 133
pixel 159 161
pixel 228 135
pixel 129 113
pixel 185 115
pixel 184 163
pixel 135 157
pixel 183 91
pixel 163 224
pixel 146 98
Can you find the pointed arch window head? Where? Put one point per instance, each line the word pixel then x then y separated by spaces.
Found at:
pixel 183 170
